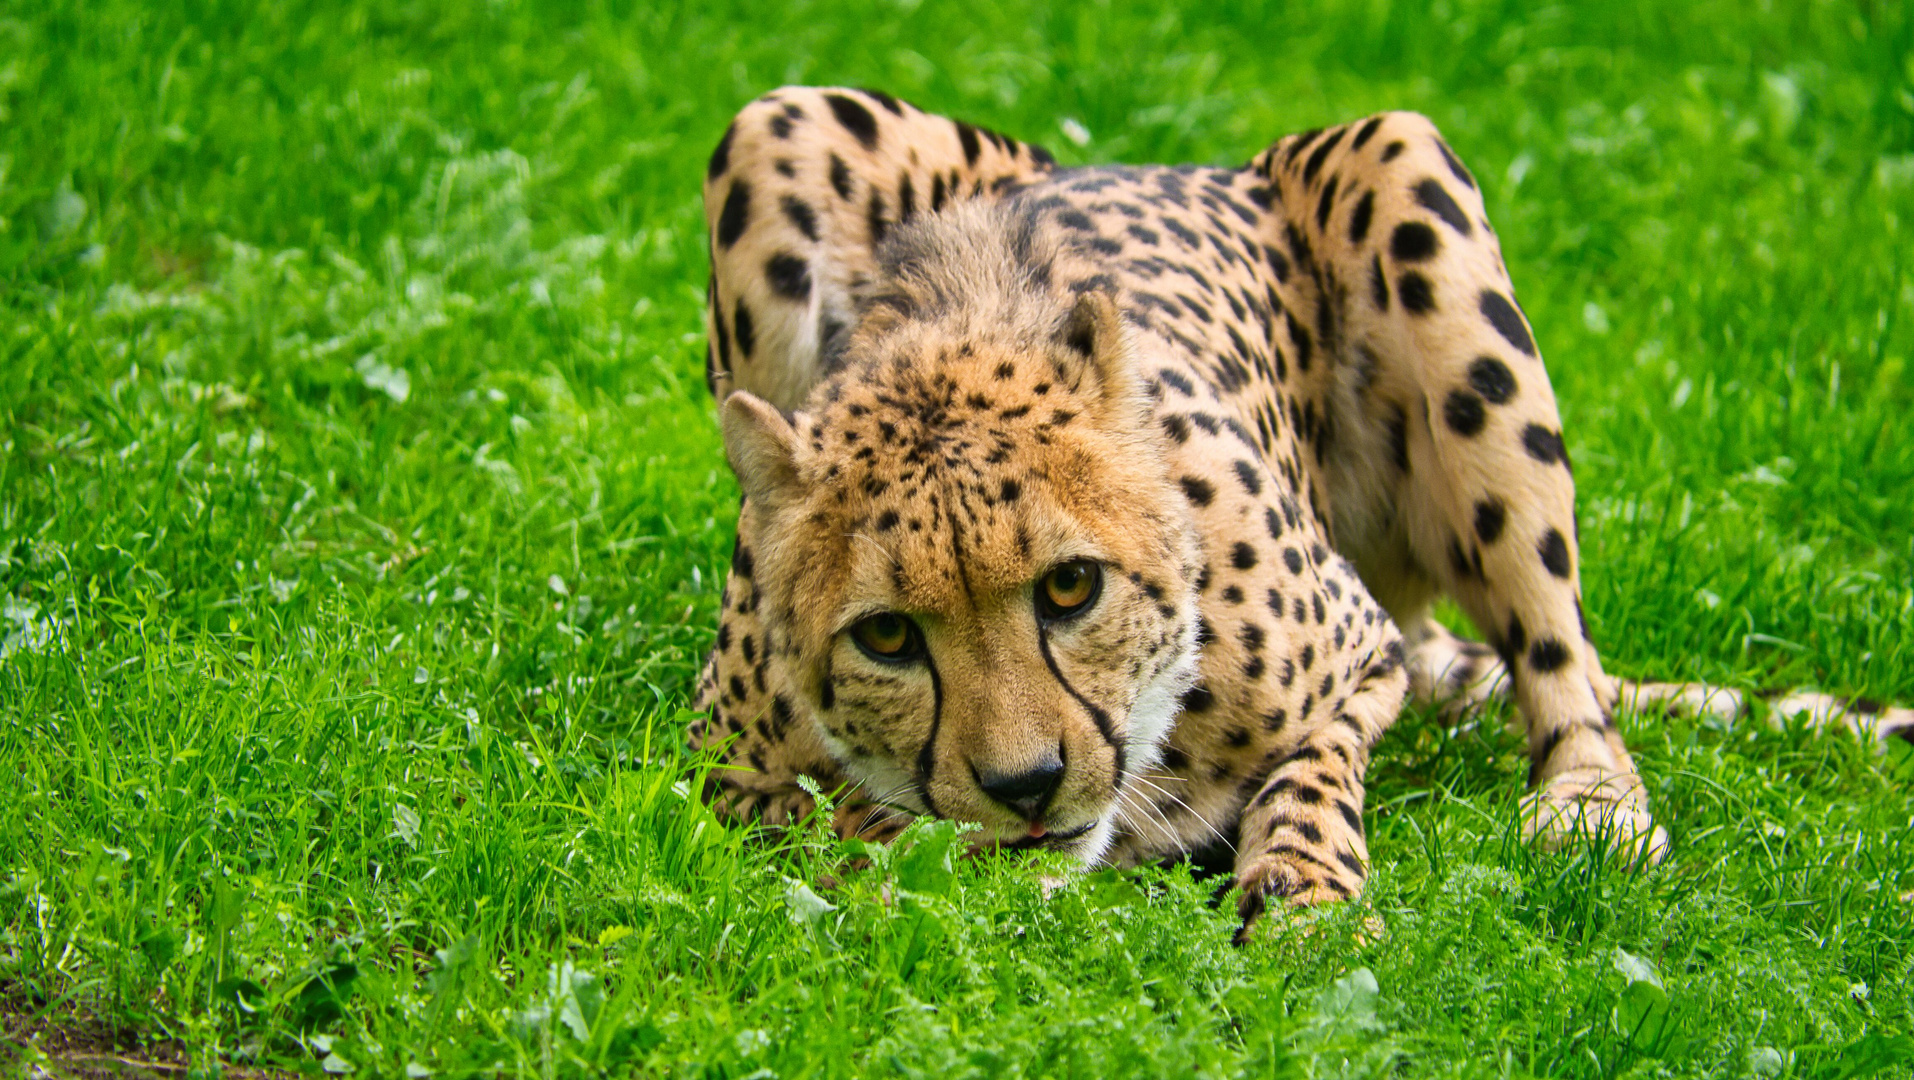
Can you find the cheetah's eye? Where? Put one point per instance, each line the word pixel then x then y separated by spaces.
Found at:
pixel 1069 589
pixel 888 637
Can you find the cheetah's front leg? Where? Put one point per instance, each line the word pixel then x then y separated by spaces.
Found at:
pixel 1301 837
pixel 1449 470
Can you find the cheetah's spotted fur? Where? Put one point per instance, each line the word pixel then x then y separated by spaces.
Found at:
pixel 1282 407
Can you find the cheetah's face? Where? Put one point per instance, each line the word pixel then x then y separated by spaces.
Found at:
pixel 978 575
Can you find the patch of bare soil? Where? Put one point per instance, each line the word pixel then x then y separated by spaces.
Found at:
pixel 74 1044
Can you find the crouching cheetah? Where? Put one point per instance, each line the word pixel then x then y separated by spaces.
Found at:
pixel 1105 507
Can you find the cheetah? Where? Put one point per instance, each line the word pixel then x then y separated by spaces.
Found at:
pixel 1105 507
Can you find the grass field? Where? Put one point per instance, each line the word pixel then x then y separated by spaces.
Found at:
pixel 362 517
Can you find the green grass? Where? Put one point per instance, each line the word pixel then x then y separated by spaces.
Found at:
pixel 362 516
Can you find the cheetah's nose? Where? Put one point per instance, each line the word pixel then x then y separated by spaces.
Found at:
pixel 1025 793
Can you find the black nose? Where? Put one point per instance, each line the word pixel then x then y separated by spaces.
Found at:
pixel 1025 793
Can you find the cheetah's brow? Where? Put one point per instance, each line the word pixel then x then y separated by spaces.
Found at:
pixel 872 541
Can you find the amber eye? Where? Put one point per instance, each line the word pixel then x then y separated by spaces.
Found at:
pixel 887 636
pixel 1069 589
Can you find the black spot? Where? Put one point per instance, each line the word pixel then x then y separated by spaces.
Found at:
pixel 1366 132
pixel 1434 196
pixel 840 177
pixel 1242 556
pixel 1278 263
pixel 781 126
pixel 736 213
pixel 1459 559
pixel 1554 552
pixel 721 157
pixel 936 192
pixel 790 276
pixel 856 119
pixel 1492 379
pixel 1464 413
pixel 1413 242
pixel 906 198
pixel 1542 444
pixel 1196 699
pixel 1359 220
pixel 1321 154
pixel 1490 517
pixel 1009 491
pixel 887 521
pixel 1548 655
pixel 1294 560
pixel 1392 151
pixel 1518 636
pixel 967 135
pixel 827 693
pixel 1324 204
pixel 1176 427
pixel 1273 522
pixel 1417 294
pixel 1247 476
pixel 1198 490
pixel 1455 166
pixel 883 99
pixel 1378 284
pixel 1305 345
pixel 1350 817
pixel 801 216
pixel 720 358
pixel 1507 321
pixel 747 331
pixel 1175 378
pixel 874 216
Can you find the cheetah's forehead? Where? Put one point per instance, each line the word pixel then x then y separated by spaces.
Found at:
pixel 959 482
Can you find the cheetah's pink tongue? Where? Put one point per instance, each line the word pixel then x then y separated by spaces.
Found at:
pixel 1037 830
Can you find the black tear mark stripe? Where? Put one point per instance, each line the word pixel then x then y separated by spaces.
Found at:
pixel 1097 716
pixel 927 757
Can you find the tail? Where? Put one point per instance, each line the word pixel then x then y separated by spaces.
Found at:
pixel 1453 676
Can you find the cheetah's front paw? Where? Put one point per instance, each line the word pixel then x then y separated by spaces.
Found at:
pixel 1295 877
pixel 1596 804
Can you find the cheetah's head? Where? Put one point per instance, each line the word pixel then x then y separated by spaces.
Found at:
pixel 975 568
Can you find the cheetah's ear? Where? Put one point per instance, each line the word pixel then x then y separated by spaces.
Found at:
pixel 1095 329
pixel 762 448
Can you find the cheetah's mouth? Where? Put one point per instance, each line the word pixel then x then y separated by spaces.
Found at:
pixel 1048 841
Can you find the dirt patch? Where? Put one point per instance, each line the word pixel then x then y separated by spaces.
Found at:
pixel 79 1045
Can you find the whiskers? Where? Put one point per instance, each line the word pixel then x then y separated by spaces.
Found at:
pixel 1129 798
pixel 882 810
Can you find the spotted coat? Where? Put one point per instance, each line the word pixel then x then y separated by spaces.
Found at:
pixel 1340 413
